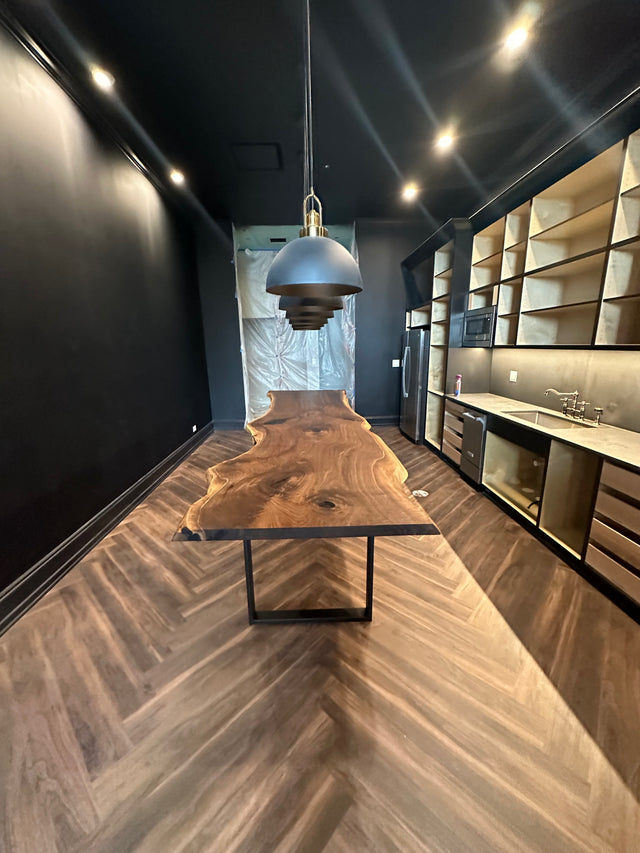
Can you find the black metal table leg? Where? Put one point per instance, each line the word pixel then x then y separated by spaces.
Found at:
pixel 321 614
pixel 248 571
pixel 368 610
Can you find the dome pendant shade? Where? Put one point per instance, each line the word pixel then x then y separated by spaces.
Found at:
pixel 316 267
pixel 308 313
pixel 291 303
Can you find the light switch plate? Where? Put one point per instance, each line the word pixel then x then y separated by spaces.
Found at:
pixel 395 362
pixel 513 376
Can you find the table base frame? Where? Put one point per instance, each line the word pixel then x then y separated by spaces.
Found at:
pixel 324 614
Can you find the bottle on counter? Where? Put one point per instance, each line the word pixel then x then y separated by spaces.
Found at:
pixel 457 390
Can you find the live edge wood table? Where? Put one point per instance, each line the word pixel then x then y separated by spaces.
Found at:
pixel 315 471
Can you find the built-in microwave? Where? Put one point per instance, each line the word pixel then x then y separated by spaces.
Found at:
pixel 479 327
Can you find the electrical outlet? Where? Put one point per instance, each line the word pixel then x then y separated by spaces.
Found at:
pixel 395 362
pixel 513 376
pixel 194 428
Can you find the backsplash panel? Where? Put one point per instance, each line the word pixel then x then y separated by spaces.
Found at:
pixel 606 378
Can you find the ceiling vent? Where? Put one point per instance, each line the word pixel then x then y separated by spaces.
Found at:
pixel 257 156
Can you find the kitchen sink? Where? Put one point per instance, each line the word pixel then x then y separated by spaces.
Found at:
pixel 544 419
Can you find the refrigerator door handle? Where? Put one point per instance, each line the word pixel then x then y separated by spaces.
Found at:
pixel 406 360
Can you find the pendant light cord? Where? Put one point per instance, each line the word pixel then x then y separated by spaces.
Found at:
pixel 308 114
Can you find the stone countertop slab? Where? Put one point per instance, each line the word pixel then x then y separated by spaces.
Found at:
pixel 618 445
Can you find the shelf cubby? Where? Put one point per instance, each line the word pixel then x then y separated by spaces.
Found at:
pixel 566 284
pixel 623 271
pixel 439 335
pixel 433 423
pixel 440 310
pixel 483 297
pixel 420 316
pixel 442 284
pixel 627 222
pixel 514 473
pixel 586 232
pixel 486 271
pixel 517 226
pixel 562 325
pixel 488 242
pixel 510 297
pixel 506 330
pixel 586 188
pixel 513 260
pixel 443 259
pixel 437 368
pixel 619 322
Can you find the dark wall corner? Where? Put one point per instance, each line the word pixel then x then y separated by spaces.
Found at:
pixel 217 280
pixel 380 313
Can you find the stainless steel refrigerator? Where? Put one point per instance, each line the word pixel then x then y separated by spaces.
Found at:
pixel 413 392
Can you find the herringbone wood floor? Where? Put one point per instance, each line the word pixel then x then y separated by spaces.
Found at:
pixel 492 705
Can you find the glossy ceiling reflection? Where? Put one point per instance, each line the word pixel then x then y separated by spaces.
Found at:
pixel 217 88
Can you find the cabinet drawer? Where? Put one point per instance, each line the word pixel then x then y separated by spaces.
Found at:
pixel 617 574
pixel 624 514
pixel 451 452
pixel 617 543
pixel 453 422
pixel 620 479
pixel 452 438
pixel 455 408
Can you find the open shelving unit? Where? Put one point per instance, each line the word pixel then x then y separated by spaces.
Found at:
pixel 438 342
pixel 568 270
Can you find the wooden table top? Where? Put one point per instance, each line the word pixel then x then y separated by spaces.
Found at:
pixel 316 470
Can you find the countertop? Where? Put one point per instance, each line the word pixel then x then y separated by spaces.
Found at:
pixel 618 445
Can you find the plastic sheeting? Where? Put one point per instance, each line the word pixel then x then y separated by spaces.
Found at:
pixel 274 357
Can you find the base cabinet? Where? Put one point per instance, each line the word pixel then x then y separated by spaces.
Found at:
pixel 572 476
pixel 614 538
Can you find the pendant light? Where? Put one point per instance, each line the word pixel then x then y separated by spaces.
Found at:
pixel 331 303
pixel 313 265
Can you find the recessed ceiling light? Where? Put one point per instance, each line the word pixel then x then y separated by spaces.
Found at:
pixel 444 141
pixel 410 192
pixel 516 38
pixel 176 176
pixel 102 78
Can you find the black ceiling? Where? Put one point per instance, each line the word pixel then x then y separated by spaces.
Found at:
pixel 208 78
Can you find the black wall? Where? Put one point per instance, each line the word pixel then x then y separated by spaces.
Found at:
pixel 380 314
pixel 102 368
pixel 222 331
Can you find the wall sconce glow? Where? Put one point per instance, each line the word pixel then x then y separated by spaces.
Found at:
pixel 445 141
pixel 410 192
pixel 176 176
pixel 516 38
pixel 102 78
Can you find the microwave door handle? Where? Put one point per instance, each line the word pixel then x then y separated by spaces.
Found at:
pixel 406 360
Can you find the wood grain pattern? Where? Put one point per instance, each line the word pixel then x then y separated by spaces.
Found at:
pixel 316 470
pixel 491 707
